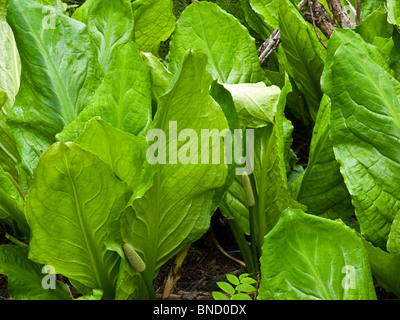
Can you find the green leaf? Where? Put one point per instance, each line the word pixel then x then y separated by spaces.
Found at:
pixel 384 266
pixel 245 287
pixel 82 12
pixel 268 10
pixel 55 84
pixel 254 21
pixel 306 257
pixel 248 280
pixel 303 52
pixel 10 72
pixel 365 127
pixel 25 277
pixel 255 103
pixel 234 206
pixel 232 279
pixel 321 187
pixel 71 204
pixel 11 203
pixel 231 51
pixel 176 210
pixel 393 243
pixel 109 23
pixel 241 296
pixel 226 287
pixel 219 296
pixel 160 76
pixel 124 152
pixel 270 172
pixel 123 98
pixel 369 6
pixel 393 8
pixel 154 23
pixel 357 43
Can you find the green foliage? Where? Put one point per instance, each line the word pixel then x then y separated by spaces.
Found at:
pixel 85 92
pixel 238 288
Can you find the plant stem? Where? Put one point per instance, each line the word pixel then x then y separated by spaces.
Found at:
pixel 243 246
pixel 149 285
pixel 253 239
pixel 252 217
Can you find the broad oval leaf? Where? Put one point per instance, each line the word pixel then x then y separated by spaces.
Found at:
pixel 109 23
pixel 154 23
pixel 59 76
pixel 255 103
pixel 321 187
pixel 365 131
pixel 231 51
pixel 124 152
pixel 306 257
pixel 176 210
pixel 73 201
pixel 123 98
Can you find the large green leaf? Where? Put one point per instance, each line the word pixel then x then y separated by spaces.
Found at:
pixel 176 210
pixel 58 77
pixel 321 188
pixel 231 51
pixel 306 257
pixel 154 23
pixel 255 103
pixel 365 131
pixel 303 52
pixel 357 44
pixel 109 23
pixel 123 98
pixel 25 277
pixel 10 72
pixel 124 152
pixel 270 172
pixel 73 201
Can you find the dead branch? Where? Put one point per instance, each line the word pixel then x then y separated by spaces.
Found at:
pixel 322 18
pixel 340 14
pixel 311 6
pixel 269 45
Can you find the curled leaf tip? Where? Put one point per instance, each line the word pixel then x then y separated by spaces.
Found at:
pixel 248 190
pixel 134 259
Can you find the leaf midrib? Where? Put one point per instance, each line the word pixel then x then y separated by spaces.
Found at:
pixel 94 254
